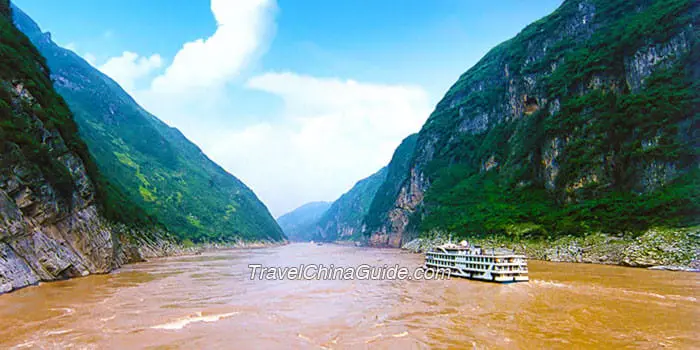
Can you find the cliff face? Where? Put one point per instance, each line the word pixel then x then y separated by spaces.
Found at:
pixel 153 164
pixel 51 225
pixel 300 224
pixel 585 121
pixel 343 220
pixel 383 208
pixel 42 235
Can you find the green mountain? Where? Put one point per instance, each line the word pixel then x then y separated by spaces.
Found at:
pixel 300 224
pixel 59 217
pixel 343 220
pixel 586 121
pixel 152 163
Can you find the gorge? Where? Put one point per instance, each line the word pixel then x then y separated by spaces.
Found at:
pixel 576 140
pixel 575 143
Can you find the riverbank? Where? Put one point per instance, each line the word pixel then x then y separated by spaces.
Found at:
pixel 667 249
pixel 140 248
pixel 240 244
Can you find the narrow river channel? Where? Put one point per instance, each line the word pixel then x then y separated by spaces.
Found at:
pixel 209 301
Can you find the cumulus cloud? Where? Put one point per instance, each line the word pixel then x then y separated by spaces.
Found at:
pixel 203 64
pixel 128 68
pixel 194 84
pixel 218 58
pixel 332 133
pixel 329 134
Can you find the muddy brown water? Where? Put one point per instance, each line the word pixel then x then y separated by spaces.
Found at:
pixel 209 301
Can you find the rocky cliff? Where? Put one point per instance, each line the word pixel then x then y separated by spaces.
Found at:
pixel 384 205
pixel 586 121
pixel 344 219
pixel 51 210
pixel 153 164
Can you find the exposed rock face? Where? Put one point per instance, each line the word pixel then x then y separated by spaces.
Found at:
pixel 384 208
pixel 487 122
pixel 344 219
pixel 44 238
pixel 651 57
pixel 394 229
pixel 50 225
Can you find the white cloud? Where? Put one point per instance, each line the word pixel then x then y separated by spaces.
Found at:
pixel 193 85
pixel 128 68
pixel 330 133
pixel 333 133
pixel 215 60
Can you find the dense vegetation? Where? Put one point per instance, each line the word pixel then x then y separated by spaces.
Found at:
pixel 611 132
pixel 152 163
pixel 24 120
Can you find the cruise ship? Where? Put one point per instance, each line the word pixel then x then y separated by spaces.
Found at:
pixel 474 262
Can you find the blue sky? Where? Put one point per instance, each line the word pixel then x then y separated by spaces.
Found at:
pixel 299 99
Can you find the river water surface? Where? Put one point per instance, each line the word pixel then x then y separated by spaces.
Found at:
pixel 208 301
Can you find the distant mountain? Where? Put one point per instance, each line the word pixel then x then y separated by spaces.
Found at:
pixel 343 220
pixel 152 163
pixel 363 208
pixel 587 121
pixel 299 224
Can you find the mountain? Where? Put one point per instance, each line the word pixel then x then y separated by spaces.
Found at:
pixel 300 224
pixel 152 163
pixel 59 217
pixel 343 220
pixel 586 121
pixel 383 202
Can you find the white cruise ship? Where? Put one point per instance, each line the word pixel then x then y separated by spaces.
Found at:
pixel 497 265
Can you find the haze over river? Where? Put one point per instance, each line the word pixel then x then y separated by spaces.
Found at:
pixel 208 301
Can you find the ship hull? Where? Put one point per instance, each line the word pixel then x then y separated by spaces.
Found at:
pixel 477 277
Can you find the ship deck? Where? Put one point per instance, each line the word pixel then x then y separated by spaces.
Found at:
pixel 487 267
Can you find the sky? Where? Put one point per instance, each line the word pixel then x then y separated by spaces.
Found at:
pixel 298 99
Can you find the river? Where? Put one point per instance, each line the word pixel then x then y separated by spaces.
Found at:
pixel 209 301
